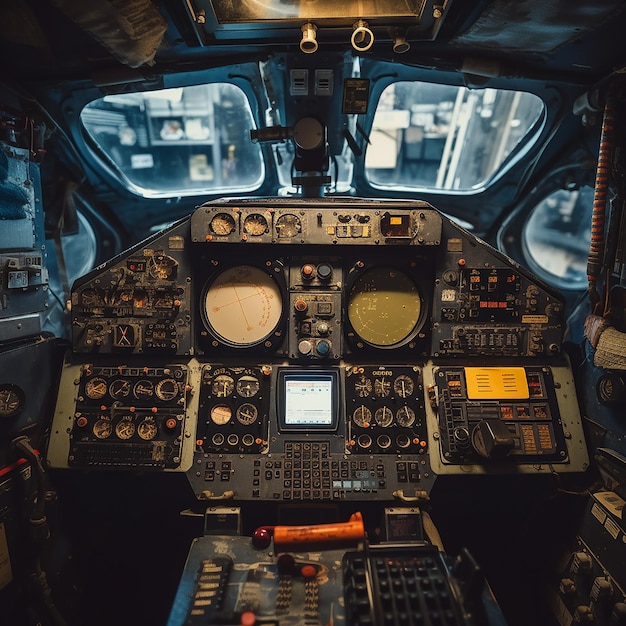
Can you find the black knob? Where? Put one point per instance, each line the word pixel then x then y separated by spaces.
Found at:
pixel 492 439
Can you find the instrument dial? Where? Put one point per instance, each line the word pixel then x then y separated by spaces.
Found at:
pixel 161 266
pixel 223 386
pixel 143 389
pixel 147 429
pixel 382 387
pixel 403 386
pixel 166 389
pixel 90 297
pixel 288 225
pixel 243 305
pixel 363 386
pixel 119 388
pixel 255 224
pixel 221 414
pixel 248 386
pixel 247 414
pixel 223 224
pixel 125 428
pixel 383 416
pixel 405 416
pixel 362 416
pixel 103 428
pixel 384 306
pixel 12 400
pixel 96 388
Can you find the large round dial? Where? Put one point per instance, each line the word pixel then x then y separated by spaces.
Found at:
pixel 243 305
pixel 384 306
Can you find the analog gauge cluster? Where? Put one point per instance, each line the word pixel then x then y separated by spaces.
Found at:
pixel 129 416
pixel 387 307
pixel 242 307
pixel 134 387
pixel 239 224
pixel 385 410
pixel 233 409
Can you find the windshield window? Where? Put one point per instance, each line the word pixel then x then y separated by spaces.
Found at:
pixel 181 141
pixel 444 137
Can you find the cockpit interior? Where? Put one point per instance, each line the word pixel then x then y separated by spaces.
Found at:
pixel 312 315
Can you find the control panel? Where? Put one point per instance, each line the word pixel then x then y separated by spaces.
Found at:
pixel 126 416
pixel 318 349
pixel 229 580
pixel 140 305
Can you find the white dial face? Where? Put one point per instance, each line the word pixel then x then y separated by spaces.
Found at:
pixel 243 305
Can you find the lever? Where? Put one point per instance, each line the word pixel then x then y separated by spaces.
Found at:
pixel 492 439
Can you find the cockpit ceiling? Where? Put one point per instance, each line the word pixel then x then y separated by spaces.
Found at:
pixel 557 36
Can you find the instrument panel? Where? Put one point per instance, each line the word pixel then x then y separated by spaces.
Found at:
pixel 316 347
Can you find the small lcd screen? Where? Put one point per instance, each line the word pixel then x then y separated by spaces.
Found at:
pixel 308 400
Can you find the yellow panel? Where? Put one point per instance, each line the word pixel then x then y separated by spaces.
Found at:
pixel 496 383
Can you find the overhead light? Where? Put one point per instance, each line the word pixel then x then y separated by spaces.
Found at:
pixel 308 44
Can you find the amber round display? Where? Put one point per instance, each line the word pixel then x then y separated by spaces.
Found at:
pixel 384 306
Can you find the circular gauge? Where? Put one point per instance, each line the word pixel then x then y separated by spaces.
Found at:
pixel 403 441
pixel 382 387
pixel 90 297
pixel 363 386
pixel 288 225
pixel 365 441
pixel 125 428
pixel 403 386
pixel 243 305
pixel 119 388
pixel 405 416
pixel 166 389
pixel 384 441
pixel 362 416
pixel 143 389
pixel 12 400
pixel 223 224
pixel 247 414
pixel 383 416
pixel 248 386
pixel 161 266
pixel 221 414
pixel 96 388
pixel 384 306
pixel 255 224
pixel 147 429
pixel 102 428
pixel 223 386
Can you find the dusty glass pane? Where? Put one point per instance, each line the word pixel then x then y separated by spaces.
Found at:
pixel 557 237
pixel 444 137
pixel 181 141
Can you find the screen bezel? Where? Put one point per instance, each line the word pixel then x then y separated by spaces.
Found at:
pixel 286 375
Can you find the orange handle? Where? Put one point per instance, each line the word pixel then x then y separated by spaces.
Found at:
pixel 291 536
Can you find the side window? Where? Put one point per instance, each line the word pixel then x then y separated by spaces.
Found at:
pixel 557 235
pixel 182 141
pixel 432 136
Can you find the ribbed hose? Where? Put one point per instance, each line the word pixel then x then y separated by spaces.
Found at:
pixel 605 154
